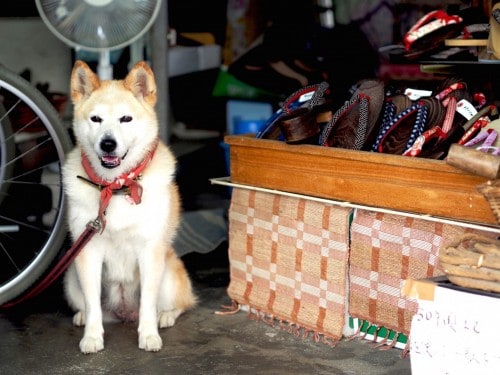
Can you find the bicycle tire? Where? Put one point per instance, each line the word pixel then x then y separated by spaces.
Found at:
pixel 29 241
pixel 6 151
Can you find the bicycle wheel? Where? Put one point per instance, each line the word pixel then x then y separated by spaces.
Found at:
pixel 33 144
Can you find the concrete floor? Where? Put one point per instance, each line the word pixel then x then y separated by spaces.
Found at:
pixel 39 338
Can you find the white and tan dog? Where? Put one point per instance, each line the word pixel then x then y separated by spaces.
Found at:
pixel 122 173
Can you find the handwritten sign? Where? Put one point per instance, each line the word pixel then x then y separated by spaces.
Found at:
pixel 456 333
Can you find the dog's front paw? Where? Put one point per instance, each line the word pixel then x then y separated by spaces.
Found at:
pixel 167 318
pixel 150 343
pixel 91 344
pixel 79 319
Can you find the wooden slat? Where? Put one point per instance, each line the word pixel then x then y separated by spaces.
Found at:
pixel 416 185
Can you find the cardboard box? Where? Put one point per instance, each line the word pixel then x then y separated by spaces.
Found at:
pixel 454 330
pixel 413 185
pixel 184 60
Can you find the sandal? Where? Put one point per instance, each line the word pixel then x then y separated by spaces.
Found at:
pixel 298 119
pixel 478 121
pixel 430 32
pixel 353 125
pixel 399 133
pixel 435 142
pixel 455 97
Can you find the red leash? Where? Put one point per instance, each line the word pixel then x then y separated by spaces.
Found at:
pixel 92 228
pixel 126 183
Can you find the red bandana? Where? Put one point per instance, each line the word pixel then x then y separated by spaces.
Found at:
pixel 127 179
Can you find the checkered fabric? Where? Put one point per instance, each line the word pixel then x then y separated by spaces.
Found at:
pixel 288 261
pixel 386 250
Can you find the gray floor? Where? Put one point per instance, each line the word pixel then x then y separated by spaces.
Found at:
pixel 39 338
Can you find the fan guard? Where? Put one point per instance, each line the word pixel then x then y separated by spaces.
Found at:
pixel 97 25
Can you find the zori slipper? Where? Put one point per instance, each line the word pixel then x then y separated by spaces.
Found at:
pixel 353 125
pixel 436 140
pixel 298 118
pixel 403 130
pixel 394 105
pixel 430 32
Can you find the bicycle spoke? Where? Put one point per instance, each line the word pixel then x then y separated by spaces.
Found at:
pixel 25 224
pixel 33 143
pixel 9 257
pixel 27 152
pixel 17 179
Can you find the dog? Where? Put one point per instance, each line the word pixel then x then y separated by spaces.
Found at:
pixel 121 176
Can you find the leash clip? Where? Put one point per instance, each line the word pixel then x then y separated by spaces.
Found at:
pixel 95 225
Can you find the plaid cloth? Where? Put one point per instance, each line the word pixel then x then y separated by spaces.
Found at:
pixel 386 250
pixel 288 261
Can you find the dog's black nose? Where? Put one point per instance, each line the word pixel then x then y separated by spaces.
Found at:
pixel 108 145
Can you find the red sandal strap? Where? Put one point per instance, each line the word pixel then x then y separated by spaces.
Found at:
pixel 427 24
pixel 418 145
pixel 451 107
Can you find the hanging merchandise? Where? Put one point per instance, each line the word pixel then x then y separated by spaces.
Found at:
pixel 491 54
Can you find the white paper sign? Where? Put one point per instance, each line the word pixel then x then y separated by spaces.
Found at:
pixel 457 333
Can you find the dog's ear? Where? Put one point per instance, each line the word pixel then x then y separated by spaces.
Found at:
pixel 83 81
pixel 141 81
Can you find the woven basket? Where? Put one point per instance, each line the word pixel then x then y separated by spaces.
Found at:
pixel 473 262
pixel 491 191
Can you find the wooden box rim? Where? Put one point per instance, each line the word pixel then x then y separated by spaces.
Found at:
pixel 409 184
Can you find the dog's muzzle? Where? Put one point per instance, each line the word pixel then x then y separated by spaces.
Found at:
pixel 109 159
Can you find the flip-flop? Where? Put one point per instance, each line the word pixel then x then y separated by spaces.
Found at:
pixel 495 125
pixel 436 140
pixel 353 125
pixel 483 116
pixel 297 109
pixel 450 91
pixel 400 134
pixel 394 105
pixel 429 33
pixel 434 143
pixel 300 126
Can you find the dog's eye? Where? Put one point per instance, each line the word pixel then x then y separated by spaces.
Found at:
pixel 125 118
pixel 95 119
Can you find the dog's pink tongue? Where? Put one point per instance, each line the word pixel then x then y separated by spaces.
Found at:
pixel 111 161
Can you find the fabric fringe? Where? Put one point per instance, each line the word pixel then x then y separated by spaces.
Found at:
pixel 316 336
pixel 281 324
pixel 379 342
pixel 230 310
pixel 356 334
pixel 406 351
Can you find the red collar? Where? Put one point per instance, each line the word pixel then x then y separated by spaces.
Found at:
pixel 107 188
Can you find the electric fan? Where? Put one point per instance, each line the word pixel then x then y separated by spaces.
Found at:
pixel 99 25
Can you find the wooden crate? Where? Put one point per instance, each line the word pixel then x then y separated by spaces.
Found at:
pixel 415 185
